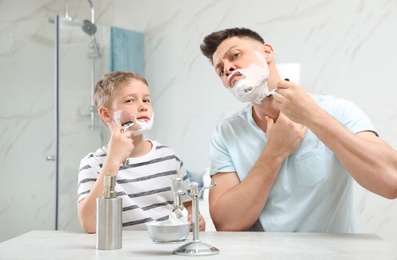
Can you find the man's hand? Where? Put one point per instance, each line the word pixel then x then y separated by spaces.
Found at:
pixel 295 102
pixel 284 136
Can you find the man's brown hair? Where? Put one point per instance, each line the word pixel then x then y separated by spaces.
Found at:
pixel 213 40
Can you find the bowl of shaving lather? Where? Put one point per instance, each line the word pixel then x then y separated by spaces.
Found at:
pixel 176 227
pixel 165 232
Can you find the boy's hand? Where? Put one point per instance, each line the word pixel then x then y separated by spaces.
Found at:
pixel 120 144
pixel 201 222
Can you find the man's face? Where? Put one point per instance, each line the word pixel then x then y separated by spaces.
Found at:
pixel 232 54
pixel 241 65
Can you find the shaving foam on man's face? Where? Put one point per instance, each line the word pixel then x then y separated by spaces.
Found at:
pixel 253 85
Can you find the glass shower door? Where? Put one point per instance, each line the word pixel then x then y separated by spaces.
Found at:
pixel 82 58
pixel 42 138
pixel 26 126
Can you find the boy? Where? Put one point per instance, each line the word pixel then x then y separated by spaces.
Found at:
pixel 143 167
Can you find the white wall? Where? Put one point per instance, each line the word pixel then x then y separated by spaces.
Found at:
pixel 344 48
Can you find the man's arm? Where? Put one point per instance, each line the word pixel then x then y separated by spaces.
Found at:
pixel 370 161
pixel 236 205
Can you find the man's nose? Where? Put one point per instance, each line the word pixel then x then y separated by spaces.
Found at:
pixel 229 68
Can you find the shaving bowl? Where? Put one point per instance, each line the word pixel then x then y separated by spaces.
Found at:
pixel 168 232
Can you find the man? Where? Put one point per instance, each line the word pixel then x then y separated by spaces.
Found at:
pixel 287 160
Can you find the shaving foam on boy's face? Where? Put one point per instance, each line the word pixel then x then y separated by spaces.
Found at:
pixel 144 126
pixel 140 126
pixel 253 85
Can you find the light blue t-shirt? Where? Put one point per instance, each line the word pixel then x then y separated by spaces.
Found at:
pixel 313 190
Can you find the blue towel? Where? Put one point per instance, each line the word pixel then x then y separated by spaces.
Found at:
pixel 126 50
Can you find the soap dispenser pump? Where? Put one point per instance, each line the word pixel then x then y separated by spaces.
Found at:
pixel 108 217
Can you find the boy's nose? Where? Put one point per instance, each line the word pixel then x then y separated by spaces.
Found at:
pixel 143 107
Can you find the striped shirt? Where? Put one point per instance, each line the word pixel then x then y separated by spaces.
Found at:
pixel 143 184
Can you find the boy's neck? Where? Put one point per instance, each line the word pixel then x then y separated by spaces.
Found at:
pixel 141 146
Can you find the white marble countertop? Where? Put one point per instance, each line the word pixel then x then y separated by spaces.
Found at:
pixel 232 245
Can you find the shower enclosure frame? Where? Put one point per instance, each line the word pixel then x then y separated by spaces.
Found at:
pixel 57 114
pixel 95 55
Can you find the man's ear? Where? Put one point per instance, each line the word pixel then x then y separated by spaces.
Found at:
pixel 268 50
pixel 104 114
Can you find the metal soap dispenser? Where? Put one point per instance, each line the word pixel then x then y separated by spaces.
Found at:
pixel 108 217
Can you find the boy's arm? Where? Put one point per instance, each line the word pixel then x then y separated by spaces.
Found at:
pixel 119 148
pixel 87 206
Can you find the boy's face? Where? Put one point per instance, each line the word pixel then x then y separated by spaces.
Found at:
pixel 134 98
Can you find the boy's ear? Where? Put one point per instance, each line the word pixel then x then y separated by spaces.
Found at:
pixel 104 114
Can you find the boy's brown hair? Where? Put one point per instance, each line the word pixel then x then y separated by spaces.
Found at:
pixel 105 87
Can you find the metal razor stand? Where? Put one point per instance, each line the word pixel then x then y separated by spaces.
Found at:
pixel 177 189
pixel 196 247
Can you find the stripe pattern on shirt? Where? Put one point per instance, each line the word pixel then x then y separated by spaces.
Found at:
pixel 143 184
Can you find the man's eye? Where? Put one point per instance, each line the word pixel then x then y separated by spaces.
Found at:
pixel 235 56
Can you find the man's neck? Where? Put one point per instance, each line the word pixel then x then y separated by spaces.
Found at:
pixel 266 108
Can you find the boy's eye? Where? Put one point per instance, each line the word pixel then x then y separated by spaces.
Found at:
pixel 146 100
pixel 129 100
pixel 220 73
